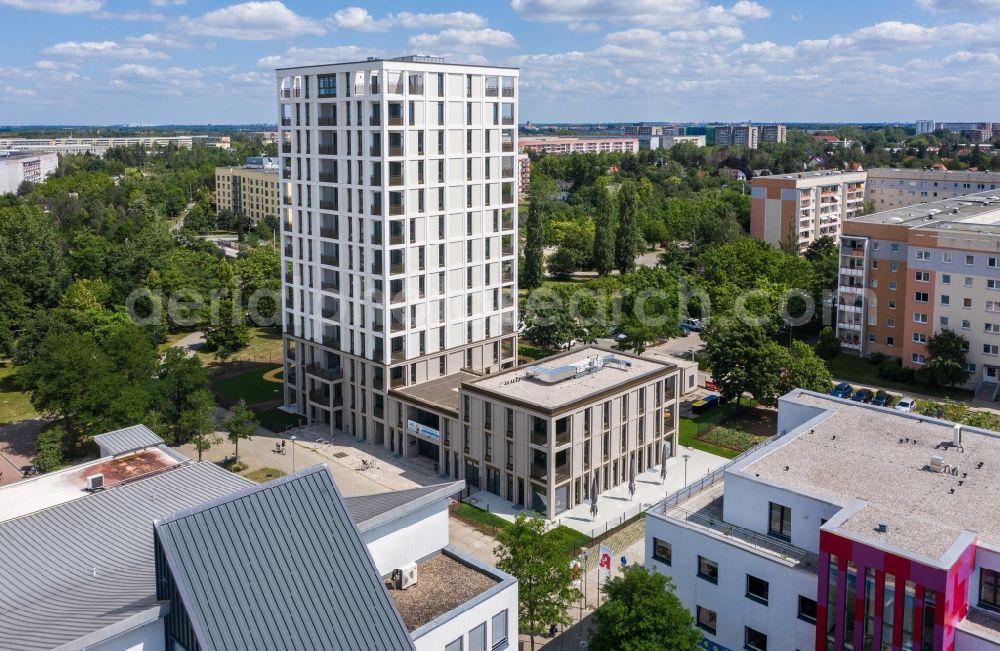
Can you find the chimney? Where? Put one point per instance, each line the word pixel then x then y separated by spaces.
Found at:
pixel 957 435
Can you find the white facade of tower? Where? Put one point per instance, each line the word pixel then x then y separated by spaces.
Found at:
pixel 399 231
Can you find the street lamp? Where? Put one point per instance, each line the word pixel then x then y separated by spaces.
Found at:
pixel 293 454
pixel 686 457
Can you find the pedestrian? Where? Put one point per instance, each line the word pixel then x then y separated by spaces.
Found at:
pixel 282 447
pixel 552 630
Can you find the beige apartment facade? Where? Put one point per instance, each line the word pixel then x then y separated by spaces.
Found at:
pixel 542 436
pixel 889 188
pixel 247 191
pixel 793 210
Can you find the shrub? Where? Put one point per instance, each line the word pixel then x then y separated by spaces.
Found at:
pixel 877 358
pixel 49 453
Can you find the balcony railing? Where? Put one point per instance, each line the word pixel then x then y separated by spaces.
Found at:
pixel 331 373
pixel 395 150
pixel 416 88
pixel 397 297
pixel 374 88
pixel 288 251
pixel 507 119
pixel 286 148
pixel 326 204
pixel 286 122
pixel 331 341
pixel 327 177
pixel 397 326
pixel 398 355
pixel 330 313
pixel 492 91
pixel 396 209
pixel 395 120
pixel 330 233
pixel 327 121
pixel 508 91
pixel 328 150
pixel 397 268
pixel 319 397
pixel 331 260
pixel 375 121
pixel 395 180
pixel 329 285
pixel 397 239
pixel 375 179
pixel 287 93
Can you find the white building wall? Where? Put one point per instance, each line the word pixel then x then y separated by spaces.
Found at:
pixel 146 638
pixel 410 538
pixel 458 625
pixel 778 619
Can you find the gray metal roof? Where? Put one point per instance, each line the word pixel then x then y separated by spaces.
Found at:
pixel 279 566
pixel 370 511
pixel 70 571
pixel 128 439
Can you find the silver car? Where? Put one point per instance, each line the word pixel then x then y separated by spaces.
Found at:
pixel 905 404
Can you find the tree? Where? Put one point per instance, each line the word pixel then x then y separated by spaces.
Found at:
pixel 49 449
pixel 543 572
pixel 547 320
pixel 628 237
pixel 742 359
pixel 179 377
pixel 241 425
pixel 230 334
pixel 828 346
pixel 643 613
pixel 534 238
pixel 805 370
pixel 197 422
pixel 946 363
pixel 606 222
pixel 563 263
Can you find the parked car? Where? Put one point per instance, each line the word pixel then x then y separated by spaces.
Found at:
pixel 882 399
pixel 694 325
pixel 843 390
pixel 685 330
pixel 906 404
pixel 863 395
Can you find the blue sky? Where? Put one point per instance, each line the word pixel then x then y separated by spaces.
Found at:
pixel 211 61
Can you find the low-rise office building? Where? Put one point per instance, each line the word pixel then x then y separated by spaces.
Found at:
pixel 18 167
pixel 908 273
pixel 543 436
pixel 856 527
pixel 251 190
pixel 891 188
pixel 580 145
pixel 793 210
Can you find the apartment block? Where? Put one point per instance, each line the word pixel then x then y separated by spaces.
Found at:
pixel 773 133
pixel 251 190
pixel 580 145
pixel 667 142
pixel 16 168
pixel 855 527
pixel 891 188
pixel 745 135
pixel 793 210
pixel 523 172
pixel 544 436
pixel 908 273
pixel 100 145
pixel 399 229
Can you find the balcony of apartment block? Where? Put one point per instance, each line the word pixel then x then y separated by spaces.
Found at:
pixel 541 473
pixel 507 145
pixel 852 269
pixel 395 150
pixel 329 259
pixel 395 180
pixel 397 323
pixel 327 176
pixel 326 120
pixel 327 149
pixel 288 250
pixel 330 312
pixel 397 355
pixel 396 208
pixel 286 173
pixel 416 86
pixel 288 277
pixel 507 301
pixel 397 297
pixel 375 180
pixel 395 119
pixel 289 93
pixel 327 204
pixel 396 237
pixel 844 324
pixel 507 90
pixel 329 285
pixel 330 373
pixel 325 399
pixel 507 248
pixel 375 120
pixel 331 341
pixel 702 512
pixel 539 435
pixel 507 196
pixel 857 251
pixel 855 306
pixel 286 122
pixel 851 344
pixel 374 87
pixel 286 148
pixel 492 90
pixel 397 268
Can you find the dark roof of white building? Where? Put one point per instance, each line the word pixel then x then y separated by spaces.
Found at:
pixel 74 574
pixel 370 511
pixel 279 566
pixel 128 439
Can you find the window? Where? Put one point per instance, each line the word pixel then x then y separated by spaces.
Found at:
pixel 919 338
pixel 989 588
pixel 705 619
pixel 662 551
pixel 892 285
pixel 454 646
pixel 993 262
pixel 893 267
pixel 970 260
pixel 498 626
pixel 968 281
pixel 708 569
pixel 944 321
pixel 922 276
pixel 807 609
pixel 945 299
pixel 991 349
pixel 874 283
pixel 945 279
pixel 966 325
pixel 477 638
pixel 992 328
pixel 874 264
pixel 923 255
pixel 894 247
pixel 920 297
pixel 780 521
pixel 992 284
pixel 890 323
pixel 966 303
pixel 892 303
pixel 917 358
pixel 754 640
pixel 993 306
pixel 757 589
pixel 889 341
pixel 946 257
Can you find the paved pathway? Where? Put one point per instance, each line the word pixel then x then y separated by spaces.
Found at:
pixel 17 447
pixel 190 342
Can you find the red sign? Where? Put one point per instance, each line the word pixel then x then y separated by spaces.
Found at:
pixel 604 559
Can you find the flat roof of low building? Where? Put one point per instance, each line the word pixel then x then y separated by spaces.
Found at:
pixel 47 490
pixel 906 172
pixel 816 175
pixel 850 451
pixel 78 570
pixel 444 583
pixel 976 212
pixel 441 393
pixel 407 59
pixel 566 380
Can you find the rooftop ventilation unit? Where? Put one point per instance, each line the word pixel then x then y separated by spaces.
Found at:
pixel 937 463
pixel 575 370
pixel 95 482
pixel 883 527
pixel 404 577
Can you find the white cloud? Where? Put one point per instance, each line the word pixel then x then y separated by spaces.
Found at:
pixel 583 27
pixel 297 56
pixel 749 9
pixel 251 21
pixel 720 34
pixel 56 6
pixel 164 3
pixel 980 58
pixel 766 51
pixel 102 49
pixel 44 64
pixel 675 14
pixel 464 38
pixel 159 40
pixel 358 18
pixel 131 16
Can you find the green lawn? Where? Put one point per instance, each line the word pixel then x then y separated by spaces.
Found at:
pixel 691 427
pixel 856 369
pixel 262 475
pixel 15 405
pixel 569 539
pixel 250 386
pixel 534 351
pixel 277 420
